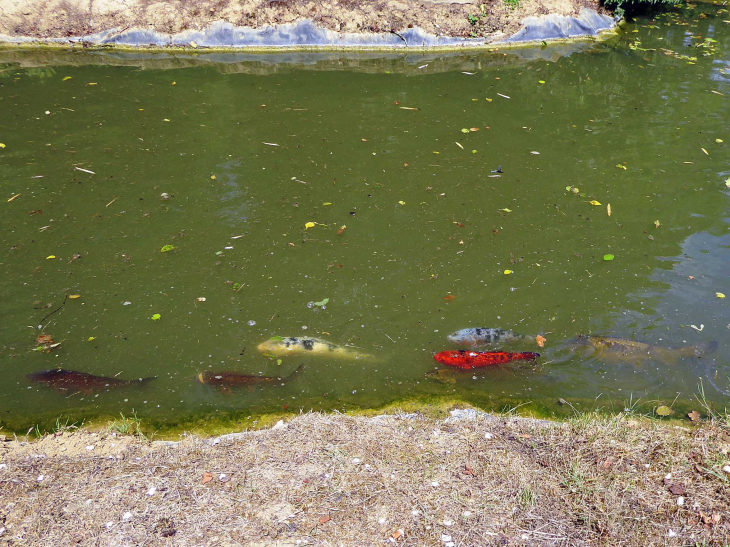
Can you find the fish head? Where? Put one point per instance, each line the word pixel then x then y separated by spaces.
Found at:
pixel 269 345
pixel 458 337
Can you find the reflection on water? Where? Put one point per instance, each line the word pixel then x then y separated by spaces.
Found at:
pixel 360 200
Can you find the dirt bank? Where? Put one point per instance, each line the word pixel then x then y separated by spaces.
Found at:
pixel 41 19
pixel 337 480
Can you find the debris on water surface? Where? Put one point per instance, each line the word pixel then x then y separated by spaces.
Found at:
pixel 664 411
pixel 694 416
pixel 165 196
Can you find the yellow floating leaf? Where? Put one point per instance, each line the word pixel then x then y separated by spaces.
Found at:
pixel 49 257
pixel 91 338
pixel 13 197
pixel 74 296
pixel 2 145
pixel 719 295
pixel 326 203
pixel 309 225
pixel 459 145
pixel 200 299
pixel 473 129
pixel 66 78
pixel 657 224
pixel 212 177
pixel 727 183
pixel 165 120
pixel 705 151
pixel 91 83
pixel 488 99
pixel 401 202
pixel 621 166
pixel 594 202
pixel 542 82
pixel 507 272
pixel 436 152
pixel 174 83
pixel 719 141
pixel 506 210
pixel 608 209
pixel 342 229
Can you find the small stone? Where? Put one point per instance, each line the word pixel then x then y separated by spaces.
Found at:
pixel 381 520
pixel 356 460
pixel 90 447
pixel 40 478
pixel 445 538
pixel 151 491
pixel 109 525
pixel 680 501
pixel 127 516
pixel 726 469
pixel 488 436
pixel 672 533
pixel 435 484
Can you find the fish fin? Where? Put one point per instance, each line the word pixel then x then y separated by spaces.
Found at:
pixel 698 350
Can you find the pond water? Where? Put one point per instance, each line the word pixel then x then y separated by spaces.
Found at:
pixel 426 177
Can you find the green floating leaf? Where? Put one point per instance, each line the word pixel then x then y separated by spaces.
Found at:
pixel 219 253
pixel 279 361
pixel 464 130
pixel 608 257
pixel 236 286
pixel 156 317
pixel 322 303
pixel 167 248
pixel 664 411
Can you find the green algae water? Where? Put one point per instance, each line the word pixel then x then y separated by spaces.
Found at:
pixel 379 202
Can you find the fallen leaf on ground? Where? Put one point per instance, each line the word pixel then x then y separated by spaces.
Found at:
pixel 677 489
pixel 207 477
pixel 323 520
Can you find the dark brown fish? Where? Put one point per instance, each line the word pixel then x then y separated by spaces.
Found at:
pixel 229 379
pixel 74 381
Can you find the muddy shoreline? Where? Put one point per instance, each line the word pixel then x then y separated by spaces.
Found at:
pixel 297 24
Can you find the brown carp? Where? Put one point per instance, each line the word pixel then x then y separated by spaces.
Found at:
pixel 227 380
pixel 83 382
pixel 606 348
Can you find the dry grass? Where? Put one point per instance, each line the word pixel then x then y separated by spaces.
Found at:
pixel 338 480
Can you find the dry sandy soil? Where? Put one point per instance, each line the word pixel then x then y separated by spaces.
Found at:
pixel 65 18
pixel 399 480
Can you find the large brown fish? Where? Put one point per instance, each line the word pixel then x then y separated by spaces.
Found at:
pixel 83 382
pixel 605 348
pixel 228 380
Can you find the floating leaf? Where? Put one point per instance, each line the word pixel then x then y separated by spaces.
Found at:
pixel 49 257
pixel 91 338
pixel 322 303
pixel 459 145
pixel 664 411
pixel 2 145
pixel 449 297
pixel 608 257
pixel 719 295
pixel 167 248
pixel 66 78
pixel 212 177
pixel 705 151
pixel 727 183
pixel 594 202
pixel 74 296
pixel 608 209
pixel 44 339
pixel 694 416
pixel 657 224
pixel 464 130
pixel 621 166
pixel 540 340
pixel 165 120
pixel 218 253
pixel 342 229
pixel 401 202
pixel 309 225
pixel 507 272
pixel 719 141
pixel 201 299
pixel 506 210
pixel 279 362
pixel 473 129
pixel 16 195
pixel 326 203
pixel 156 317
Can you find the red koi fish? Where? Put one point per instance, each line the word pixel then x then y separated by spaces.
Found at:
pixel 467 360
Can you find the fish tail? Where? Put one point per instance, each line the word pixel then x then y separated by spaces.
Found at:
pixel 698 350
pixel 296 371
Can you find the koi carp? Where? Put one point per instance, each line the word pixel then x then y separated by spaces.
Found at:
pixel 467 360
pixel 71 380
pixel 475 337
pixel 294 345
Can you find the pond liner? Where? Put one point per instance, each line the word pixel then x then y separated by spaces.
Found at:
pixel 305 34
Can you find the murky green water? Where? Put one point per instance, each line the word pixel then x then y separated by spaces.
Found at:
pixel 251 149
